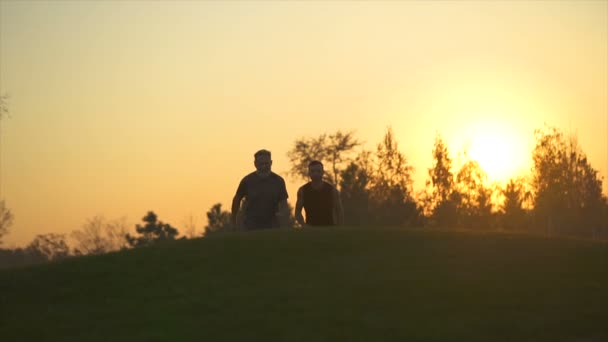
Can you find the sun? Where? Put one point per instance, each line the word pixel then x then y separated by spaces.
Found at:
pixel 493 154
pixel 499 151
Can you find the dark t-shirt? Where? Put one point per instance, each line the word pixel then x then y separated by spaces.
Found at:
pixel 319 204
pixel 262 196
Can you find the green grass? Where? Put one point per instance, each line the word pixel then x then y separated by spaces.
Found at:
pixel 319 285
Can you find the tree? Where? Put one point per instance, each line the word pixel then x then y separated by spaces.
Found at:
pixel 567 189
pixel 50 246
pixel 190 224
pixel 6 219
pixel 99 236
pixel 474 197
pixel 442 200
pixel 3 105
pixel 512 210
pixel 355 181
pixel 217 220
pixel 393 170
pixel 333 150
pixel 341 145
pixel 391 188
pixel 151 232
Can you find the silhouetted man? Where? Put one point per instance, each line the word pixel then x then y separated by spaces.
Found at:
pixel 265 195
pixel 320 200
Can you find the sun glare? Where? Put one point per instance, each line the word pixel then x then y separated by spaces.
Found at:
pixel 499 152
pixel 493 155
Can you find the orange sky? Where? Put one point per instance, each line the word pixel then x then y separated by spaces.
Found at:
pixel 118 108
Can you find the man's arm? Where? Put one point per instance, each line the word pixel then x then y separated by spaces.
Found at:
pixel 241 192
pixel 236 205
pixel 338 210
pixel 299 206
pixel 282 213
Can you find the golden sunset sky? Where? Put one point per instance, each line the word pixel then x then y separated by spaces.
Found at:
pixel 122 107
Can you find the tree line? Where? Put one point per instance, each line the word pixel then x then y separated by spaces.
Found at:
pixel 562 194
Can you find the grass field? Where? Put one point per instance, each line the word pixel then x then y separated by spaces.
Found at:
pixel 319 285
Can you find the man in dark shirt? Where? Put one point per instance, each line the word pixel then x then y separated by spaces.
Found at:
pixel 265 195
pixel 320 200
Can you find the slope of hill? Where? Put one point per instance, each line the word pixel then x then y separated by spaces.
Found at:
pixel 318 285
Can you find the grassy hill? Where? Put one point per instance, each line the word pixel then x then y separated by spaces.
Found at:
pixel 319 285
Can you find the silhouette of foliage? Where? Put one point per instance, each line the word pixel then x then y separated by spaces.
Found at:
pixel 6 219
pixel 99 236
pixel 3 106
pixel 354 190
pixel 375 187
pixel 442 200
pixel 217 220
pixel 189 226
pixel 514 215
pixel 333 150
pixel 393 170
pixel 49 246
pixel 391 186
pixel 567 189
pixel 151 232
pixel 474 197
